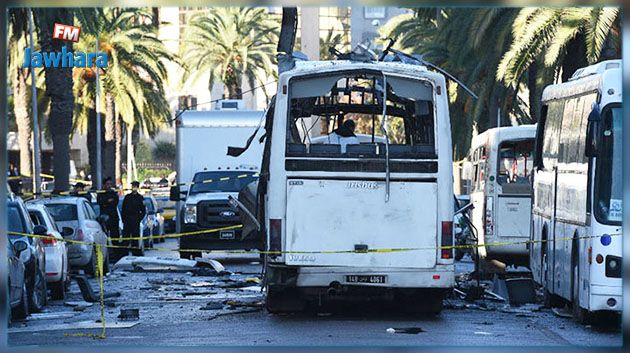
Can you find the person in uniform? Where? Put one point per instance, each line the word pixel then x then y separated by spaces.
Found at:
pixel 133 211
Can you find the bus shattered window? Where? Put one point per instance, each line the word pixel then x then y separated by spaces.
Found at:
pixel 515 162
pixel 340 115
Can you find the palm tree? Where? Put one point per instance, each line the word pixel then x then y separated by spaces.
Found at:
pixel 133 84
pixel 17 42
pixel 231 44
pixel 59 89
pixel 563 39
pixel 468 43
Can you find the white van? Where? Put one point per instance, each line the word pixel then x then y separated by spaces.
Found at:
pixel 368 219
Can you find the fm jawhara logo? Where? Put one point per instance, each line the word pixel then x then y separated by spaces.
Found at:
pixel 64 58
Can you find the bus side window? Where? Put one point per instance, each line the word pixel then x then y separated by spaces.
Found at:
pixel 540 129
pixel 551 134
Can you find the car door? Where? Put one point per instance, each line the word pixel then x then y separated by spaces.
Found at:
pixel 92 224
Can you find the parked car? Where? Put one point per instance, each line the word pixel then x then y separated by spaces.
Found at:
pixel 18 295
pixel 77 213
pixel 169 208
pixel 34 256
pixel 154 218
pixel 57 266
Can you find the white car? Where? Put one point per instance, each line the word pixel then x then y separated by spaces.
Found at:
pixel 56 251
pixel 77 213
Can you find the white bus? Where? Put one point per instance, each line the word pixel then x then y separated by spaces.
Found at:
pixel 500 165
pixel 577 208
pixel 332 213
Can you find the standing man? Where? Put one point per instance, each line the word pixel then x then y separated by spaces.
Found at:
pixel 133 211
pixel 108 202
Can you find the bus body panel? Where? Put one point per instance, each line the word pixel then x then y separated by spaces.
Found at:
pixel 344 214
pixel 564 208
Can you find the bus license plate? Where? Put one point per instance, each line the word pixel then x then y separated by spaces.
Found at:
pixel 227 234
pixel 366 279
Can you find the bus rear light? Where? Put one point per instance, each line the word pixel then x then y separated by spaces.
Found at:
pixel 447 240
pixel 275 236
pixel 436 276
pixel 599 258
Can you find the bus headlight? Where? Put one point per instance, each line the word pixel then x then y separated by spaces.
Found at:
pixel 190 214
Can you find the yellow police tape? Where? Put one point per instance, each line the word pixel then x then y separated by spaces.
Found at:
pixel 99 255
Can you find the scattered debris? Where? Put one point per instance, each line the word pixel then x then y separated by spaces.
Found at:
pixel 50 316
pixel 80 325
pixel 79 308
pixel 201 284
pixel 523 309
pixel 212 306
pixel 86 289
pixel 167 281
pixel 483 333
pixel 214 264
pixel 563 312
pixel 83 303
pixel 209 272
pixel 129 314
pixel 406 330
pixel 520 290
pixel 206 292
pixel 240 303
pixel 232 312
pixel 154 264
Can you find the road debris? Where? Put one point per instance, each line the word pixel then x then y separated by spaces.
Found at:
pixel 233 312
pixel 213 306
pixel 77 303
pixel 406 330
pixel 129 314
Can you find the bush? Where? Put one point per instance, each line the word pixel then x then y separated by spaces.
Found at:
pixel 164 151
pixel 143 153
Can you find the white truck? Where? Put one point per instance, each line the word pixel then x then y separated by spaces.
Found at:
pixel 207 176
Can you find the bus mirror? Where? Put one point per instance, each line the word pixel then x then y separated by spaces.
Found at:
pixel 592 134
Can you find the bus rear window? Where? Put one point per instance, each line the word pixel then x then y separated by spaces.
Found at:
pixel 515 161
pixel 341 116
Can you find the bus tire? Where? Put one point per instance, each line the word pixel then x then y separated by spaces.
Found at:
pixel 281 300
pixel 580 314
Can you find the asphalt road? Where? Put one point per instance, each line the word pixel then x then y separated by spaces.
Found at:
pixel 183 309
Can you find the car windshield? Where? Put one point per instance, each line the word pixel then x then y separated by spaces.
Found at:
pixel 221 181
pixel 62 212
pixel 609 193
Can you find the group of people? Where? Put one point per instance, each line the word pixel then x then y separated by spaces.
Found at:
pixel 132 213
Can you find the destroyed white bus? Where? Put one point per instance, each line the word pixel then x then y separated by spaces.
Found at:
pixel 373 217
pixel 578 192
pixel 499 168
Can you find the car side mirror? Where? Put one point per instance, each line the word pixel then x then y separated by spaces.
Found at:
pixel 19 246
pixel 40 230
pixel 591 148
pixel 67 231
pixel 175 193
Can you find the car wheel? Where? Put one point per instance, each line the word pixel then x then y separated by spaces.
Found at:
pixel 90 268
pixel 38 297
pixel 21 311
pixel 58 290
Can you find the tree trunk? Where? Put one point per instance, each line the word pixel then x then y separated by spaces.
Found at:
pixel 22 119
pixel 118 152
pixel 109 150
pixel 91 141
pixel 59 89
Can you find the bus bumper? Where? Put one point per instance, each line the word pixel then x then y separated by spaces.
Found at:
pixel 440 276
pixel 603 296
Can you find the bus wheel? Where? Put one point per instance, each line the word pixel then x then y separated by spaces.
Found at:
pixel 580 314
pixel 284 300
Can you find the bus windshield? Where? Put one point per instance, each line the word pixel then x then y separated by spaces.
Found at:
pixel 515 161
pixel 609 183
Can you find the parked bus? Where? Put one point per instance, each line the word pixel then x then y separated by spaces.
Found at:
pixel 334 205
pixel 577 210
pixel 500 166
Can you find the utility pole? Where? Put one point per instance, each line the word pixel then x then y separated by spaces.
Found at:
pixel 99 164
pixel 37 167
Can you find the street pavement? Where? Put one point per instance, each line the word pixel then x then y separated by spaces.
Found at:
pixel 184 308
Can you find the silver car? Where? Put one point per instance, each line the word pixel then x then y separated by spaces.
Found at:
pixel 77 213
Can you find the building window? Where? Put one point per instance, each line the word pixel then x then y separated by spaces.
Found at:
pixel 374 12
